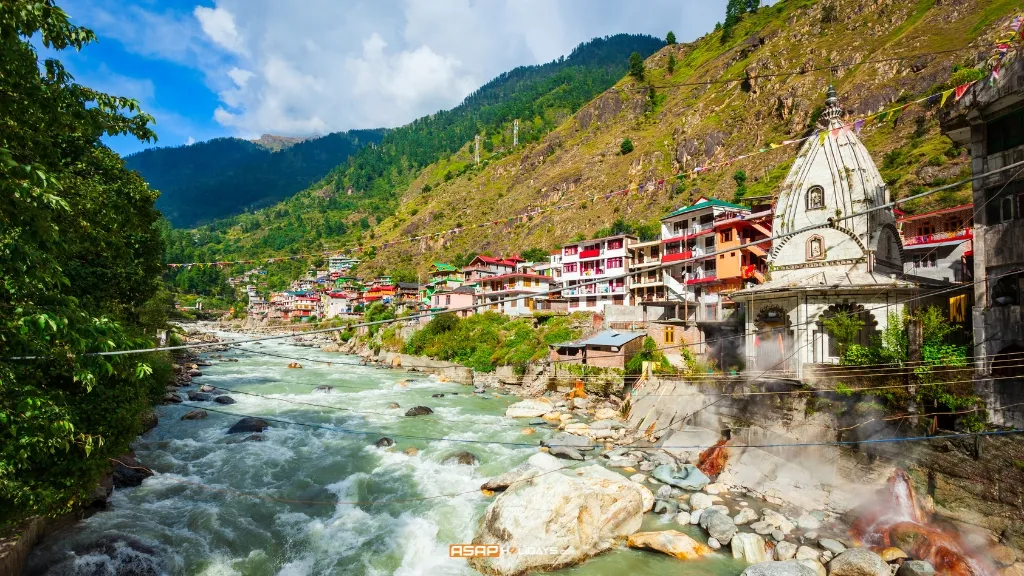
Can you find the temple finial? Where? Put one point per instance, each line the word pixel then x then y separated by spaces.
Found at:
pixel 832 112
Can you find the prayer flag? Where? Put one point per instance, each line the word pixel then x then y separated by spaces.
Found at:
pixel 858 125
pixel 821 138
pixel 773 146
pixel 961 90
pixel 945 96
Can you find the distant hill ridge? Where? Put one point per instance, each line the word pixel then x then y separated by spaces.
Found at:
pixel 276 143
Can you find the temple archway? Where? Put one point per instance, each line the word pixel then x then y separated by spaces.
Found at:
pixel 826 347
pixel 773 340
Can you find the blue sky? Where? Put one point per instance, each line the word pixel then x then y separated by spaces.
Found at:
pixel 212 68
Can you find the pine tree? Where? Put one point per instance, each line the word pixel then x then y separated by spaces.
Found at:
pixel 733 11
pixel 670 38
pixel 671 63
pixel 636 66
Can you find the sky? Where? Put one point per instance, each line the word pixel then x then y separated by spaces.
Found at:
pixel 212 68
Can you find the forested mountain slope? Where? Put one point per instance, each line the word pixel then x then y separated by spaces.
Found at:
pixel 357 194
pixel 224 176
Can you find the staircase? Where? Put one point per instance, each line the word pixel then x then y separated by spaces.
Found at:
pixel 757 250
pixel 677 290
pixel 760 228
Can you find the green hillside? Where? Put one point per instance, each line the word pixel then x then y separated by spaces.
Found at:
pixel 357 194
pixel 222 177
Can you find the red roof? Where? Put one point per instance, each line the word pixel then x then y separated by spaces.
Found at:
pixel 517 275
pixel 963 207
pixel 510 261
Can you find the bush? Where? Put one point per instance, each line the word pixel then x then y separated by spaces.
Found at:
pixel 626 147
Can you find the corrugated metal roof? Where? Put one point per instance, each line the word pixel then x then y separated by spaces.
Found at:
pixel 707 203
pixel 613 338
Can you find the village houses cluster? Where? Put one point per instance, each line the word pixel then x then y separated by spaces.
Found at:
pixel 716 280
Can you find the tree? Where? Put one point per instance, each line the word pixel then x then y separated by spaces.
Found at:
pixel 535 255
pixel 626 147
pixel 670 38
pixel 740 177
pixel 636 66
pixel 733 11
pixel 80 253
pixel 845 327
pixel 671 63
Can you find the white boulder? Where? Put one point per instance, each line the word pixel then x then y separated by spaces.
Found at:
pixel 530 408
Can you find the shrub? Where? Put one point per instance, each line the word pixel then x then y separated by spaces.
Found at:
pixel 626 147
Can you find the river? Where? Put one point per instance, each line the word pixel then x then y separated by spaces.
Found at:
pixel 322 499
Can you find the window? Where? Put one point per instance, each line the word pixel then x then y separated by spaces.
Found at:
pixel 615 263
pixel 954 224
pixel 574 303
pixel 571 267
pixel 815 248
pixel 570 250
pixel 815 198
pixel 670 334
pixel 617 300
pixel 709 242
pixel 615 244
pixel 447 300
pixel 1005 132
pixel 925 229
pixel 654 251
pixel 727 236
pixel 1006 210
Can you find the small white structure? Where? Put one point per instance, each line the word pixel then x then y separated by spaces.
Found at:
pixel 847 265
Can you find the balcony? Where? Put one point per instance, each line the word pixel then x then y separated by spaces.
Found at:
pixel 707 279
pixel 595 253
pixel 957 235
pixel 684 255
pixel 593 272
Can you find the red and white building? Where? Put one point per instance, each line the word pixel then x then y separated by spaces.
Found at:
pixel 939 244
pixel 604 260
pixel 486 266
pixel 495 289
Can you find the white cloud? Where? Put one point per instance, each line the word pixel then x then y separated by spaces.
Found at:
pixel 190 141
pixel 219 25
pixel 241 77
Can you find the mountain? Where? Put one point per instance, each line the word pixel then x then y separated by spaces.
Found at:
pixel 224 176
pixel 356 195
pixel 726 97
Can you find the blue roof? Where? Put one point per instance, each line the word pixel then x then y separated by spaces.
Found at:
pixel 613 338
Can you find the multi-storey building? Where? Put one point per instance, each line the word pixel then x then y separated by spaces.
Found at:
pixel 939 244
pixel 485 266
pixel 604 260
pixel 460 299
pixel 494 292
pixel 646 284
pixel 552 268
pixel 341 263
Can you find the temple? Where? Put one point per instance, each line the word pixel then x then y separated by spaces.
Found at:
pixel 849 262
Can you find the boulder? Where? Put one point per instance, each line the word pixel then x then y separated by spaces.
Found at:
pixel 195 415
pixel 418 411
pixel 195 373
pixel 891 554
pixel 718 525
pixel 621 463
pixel 324 388
pixel 834 546
pixel 695 516
pixel 461 458
pixel 714 544
pixel 763 528
pixel 749 548
pixel 530 408
pixel 565 453
pixel 576 515
pixel 916 568
pixel 199 397
pixel 788 568
pixel 671 542
pixel 128 472
pixel 606 414
pixel 249 425
pixel 254 438
pixel 858 562
pixel 785 551
pixel 149 421
pixel 1001 555
pixel 715 488
pixel 777 520
pixel 700 501
pixel 411 451
pixel 745 516
pixel 568 441
pixel 639 478
pixel 384 442
pixel 539 463
pixel 807 553
pixel 687 478
pixel 808 522
pixel 438 395
pixel 206 388
pixel 172 398
pixel 393 406
pixel 721 509
pixel 665 507
pixel 683 518
pixel 815 565
pixel 224 400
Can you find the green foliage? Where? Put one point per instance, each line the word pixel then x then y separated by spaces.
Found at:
pixel 644 232
pixel 845 328
pixel 961 76
pixel 636 66
pixel 626 147
pixel 829 13
pixel 670 38
pixel 671 66
pixel 404 275
pixel 740 177
pixel 80 266
pixel 648 353
pixel 734 10
pixel 376 312
pixel 534 255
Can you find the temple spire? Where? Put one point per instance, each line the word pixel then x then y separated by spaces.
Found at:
pixel 833 113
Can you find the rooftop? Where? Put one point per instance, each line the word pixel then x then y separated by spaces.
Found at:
pixel 605 338
pixel 703 203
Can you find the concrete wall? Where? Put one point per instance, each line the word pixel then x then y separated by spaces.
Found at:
pixel 613 313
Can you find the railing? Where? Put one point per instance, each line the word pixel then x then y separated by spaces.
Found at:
pixel 698 228
pixel 964 234
pixel 596 252
pixel 684 255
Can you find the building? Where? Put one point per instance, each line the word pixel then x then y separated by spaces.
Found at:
pixel 989 121
pixel 939 244
pixel 604 260
pixel 441 271
pixel 485 266
pixel 608 349
pixel 646 284
pixel 453 299
pixel 335 304
pixel 552 268
pixel 852 265
pixel 497 288
pixel 341 263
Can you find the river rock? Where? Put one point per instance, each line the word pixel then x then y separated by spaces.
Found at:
pixel 1001 555
pixel 461 458
pixel 128 472
pixel 565 453
pixel 411 451
pixel 777 520
pixel 749 547
pixel 577 515
pixel 621 463
pixel 807 553
pixel 683 518
pixel 568 441
pixel 248 424
pixel 172 398
pixel 530 408
pixel 688 478
pixel 778 535
pixel 665 507
pixel 916 568
pixel 664 492
pixel 195 373
pixel 639 478
pixel 438 395
pixel 808 522
pixel 858 562
pixel 384 442
pixel 714 544
pixel 695 517
pixel 745 516
pixel 647 466
pixel 254 438
pixel 606 414
pixel 224 400
pixel 700 501
pixel 323 389
pixel 206 388
pixel 195 415
pixel 818 568
pixel 770 568
pixel 834 546
pixel 578 428
pixel 718 525
pixel 716 488
pixel 539 463
pixel 418 411
pixel 393 406
pixel 762 528
pixel 891 554
pixel 671 542
pixel 785 551
pixel 199 397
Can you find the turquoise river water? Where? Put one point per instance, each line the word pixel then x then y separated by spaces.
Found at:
pixel 214 530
